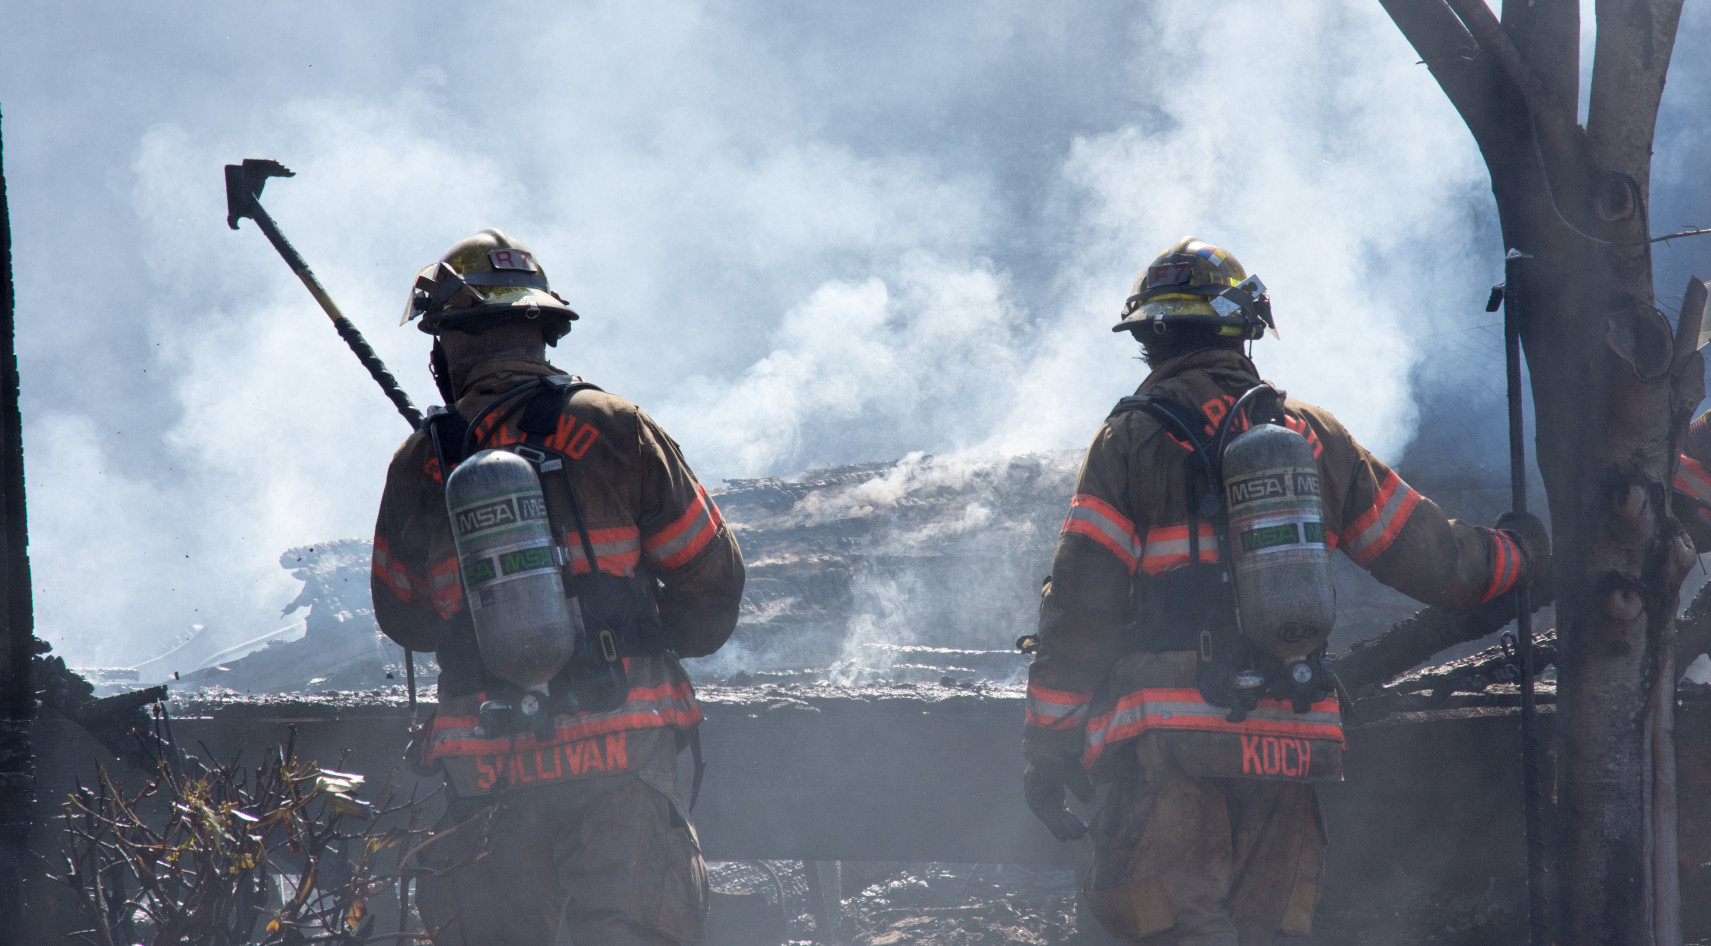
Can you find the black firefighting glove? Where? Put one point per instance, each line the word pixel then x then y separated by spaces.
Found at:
pixel 1043 784
pixel 1535 544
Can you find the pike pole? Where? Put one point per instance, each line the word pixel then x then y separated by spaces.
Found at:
pixel 1538 893
pixel 243 199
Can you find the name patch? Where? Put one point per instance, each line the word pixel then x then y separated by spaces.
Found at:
pixel 1285 756
pixel 551 763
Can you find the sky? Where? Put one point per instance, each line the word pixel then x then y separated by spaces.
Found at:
pixel 798 235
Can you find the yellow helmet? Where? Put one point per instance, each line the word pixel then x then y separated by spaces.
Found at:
pixel 1196 283
pixel 486 280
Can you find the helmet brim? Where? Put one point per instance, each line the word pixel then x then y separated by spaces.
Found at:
pixel 1173 309
pixel 542 308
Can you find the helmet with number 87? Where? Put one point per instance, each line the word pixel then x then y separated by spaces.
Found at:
pixel 484 281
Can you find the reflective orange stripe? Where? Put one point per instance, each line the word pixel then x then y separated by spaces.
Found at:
pixel 1056 709
pixel 391 572
pixel 1506 565
pixel 1098 520
pixel 1376 529
pixel 670 704
pixel 1167 547
pixel 1180 709
pixel 673 546
pixel 616 550
pixel 445 587
pixel 440 589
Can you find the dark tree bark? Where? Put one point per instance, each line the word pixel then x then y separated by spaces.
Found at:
pixel 1613 385
pixel 17 627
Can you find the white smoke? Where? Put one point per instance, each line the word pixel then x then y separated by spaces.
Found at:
pixel 798 237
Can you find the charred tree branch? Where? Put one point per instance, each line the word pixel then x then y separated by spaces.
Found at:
pixel 1411 642
pixel 1547 35
pixel 1631 56
pixel 1554 128
pixel 1462 69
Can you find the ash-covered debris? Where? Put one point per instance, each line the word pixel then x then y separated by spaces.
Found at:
pixel 921 551
pixel 921 570
pixel 892 904
pixel 872 664
pixel 336 648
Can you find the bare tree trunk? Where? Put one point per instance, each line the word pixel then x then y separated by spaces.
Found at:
pixel 1613 386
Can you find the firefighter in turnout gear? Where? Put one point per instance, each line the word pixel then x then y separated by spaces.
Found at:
pixel 1211 720
pixel 578 559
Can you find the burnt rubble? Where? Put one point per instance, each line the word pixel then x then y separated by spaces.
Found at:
pixel 917 570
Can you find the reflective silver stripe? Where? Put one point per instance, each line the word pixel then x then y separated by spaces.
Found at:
pixel 686 537
pixel 1164 553
pixel 1168 711
pixel 612 549
pixel 1048 708
pixel 1057 711
pixel 1399 498
pixel 1115 532
pixel 616 556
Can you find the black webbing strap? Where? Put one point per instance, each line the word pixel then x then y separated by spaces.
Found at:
pixel 700 765
pixel 447 429
pixel 540 419
pixel 1186 424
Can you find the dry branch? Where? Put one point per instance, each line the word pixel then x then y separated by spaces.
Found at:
pixel 206 858
pixel 1430 631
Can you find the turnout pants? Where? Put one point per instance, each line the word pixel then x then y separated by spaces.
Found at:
pixel 1186 860
pixel 614 857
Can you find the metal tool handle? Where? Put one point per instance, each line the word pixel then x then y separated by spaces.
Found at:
pixel 346 328
pixel 1532 776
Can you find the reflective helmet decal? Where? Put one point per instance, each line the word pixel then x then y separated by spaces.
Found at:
pixel 1196 283
pixel 483 281
pixel 513 258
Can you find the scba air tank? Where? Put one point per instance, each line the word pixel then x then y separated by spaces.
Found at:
pixel 1277 540
pixel 525 627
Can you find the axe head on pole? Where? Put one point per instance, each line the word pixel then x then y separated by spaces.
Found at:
pixel 243 186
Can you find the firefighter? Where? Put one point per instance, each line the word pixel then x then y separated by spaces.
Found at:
pixel 1144 676
pixel 562 791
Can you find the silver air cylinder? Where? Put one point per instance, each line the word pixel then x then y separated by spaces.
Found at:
pixel 525 627
pixel 1277 540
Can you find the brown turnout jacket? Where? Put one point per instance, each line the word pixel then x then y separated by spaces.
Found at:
pixel 1089 689
pixel 645 513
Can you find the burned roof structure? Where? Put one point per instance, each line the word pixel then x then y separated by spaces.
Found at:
pixel 905 570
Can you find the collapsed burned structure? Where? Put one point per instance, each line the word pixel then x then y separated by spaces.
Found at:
pixel 902 571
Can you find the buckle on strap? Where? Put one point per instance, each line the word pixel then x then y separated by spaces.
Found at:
pixel 542 461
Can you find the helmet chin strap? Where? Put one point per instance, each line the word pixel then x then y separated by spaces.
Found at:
pixel 441 370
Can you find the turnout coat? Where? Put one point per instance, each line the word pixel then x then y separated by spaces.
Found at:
pixel 1095 684
pixel 646 515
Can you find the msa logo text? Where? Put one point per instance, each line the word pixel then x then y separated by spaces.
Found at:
pixel 1265 486
pixel 486 516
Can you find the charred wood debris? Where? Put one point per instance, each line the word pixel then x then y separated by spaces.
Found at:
pixel 900 576
pixel 915 571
